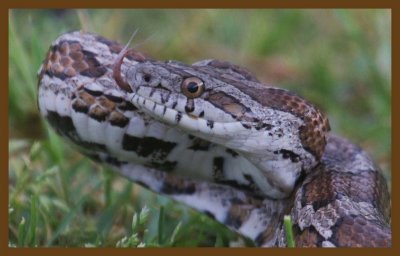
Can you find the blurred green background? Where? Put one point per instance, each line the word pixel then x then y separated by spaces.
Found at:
pixel 338 59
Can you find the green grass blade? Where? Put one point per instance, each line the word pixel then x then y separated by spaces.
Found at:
pixel 161 226
pixel 31 238
pixel 21 233
pixel 287 220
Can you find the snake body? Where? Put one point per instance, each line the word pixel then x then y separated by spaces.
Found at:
pixel 213 137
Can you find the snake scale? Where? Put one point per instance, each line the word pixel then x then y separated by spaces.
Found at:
pixel 213 137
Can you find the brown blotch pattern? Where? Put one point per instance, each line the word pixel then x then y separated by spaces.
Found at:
pixel 337 192
pixel 365 186
pixel 312 134
pixel 80 106
pixel 106 103
pixel 86 97
pixel 98 113
pixel 357 231
pixel 67 59
pixel 101 108
pixel 118 119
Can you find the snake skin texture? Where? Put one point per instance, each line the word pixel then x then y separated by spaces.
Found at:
pixel 211 136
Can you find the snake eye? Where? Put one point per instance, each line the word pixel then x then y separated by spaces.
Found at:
pixel 192 87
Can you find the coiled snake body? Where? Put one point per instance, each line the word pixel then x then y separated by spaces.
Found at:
pixel 211 136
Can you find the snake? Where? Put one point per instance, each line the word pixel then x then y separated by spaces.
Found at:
pixel 211 136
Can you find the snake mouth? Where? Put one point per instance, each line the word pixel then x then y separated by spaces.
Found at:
pixel 208 114
pixel 160 91
pixel 222 132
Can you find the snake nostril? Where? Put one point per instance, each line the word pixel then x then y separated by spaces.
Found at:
pixel 147 78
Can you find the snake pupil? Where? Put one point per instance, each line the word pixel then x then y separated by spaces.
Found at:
pixel 192 87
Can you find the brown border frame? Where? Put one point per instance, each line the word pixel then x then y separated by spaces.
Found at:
pixel 8 4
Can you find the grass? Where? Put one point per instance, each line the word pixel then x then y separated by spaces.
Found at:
pixel 76 204
pixel 287 222
pixel 338 59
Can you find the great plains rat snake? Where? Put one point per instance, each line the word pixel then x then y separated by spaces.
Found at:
pixel 213 137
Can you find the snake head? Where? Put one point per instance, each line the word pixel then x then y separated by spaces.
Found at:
pixel 272 127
